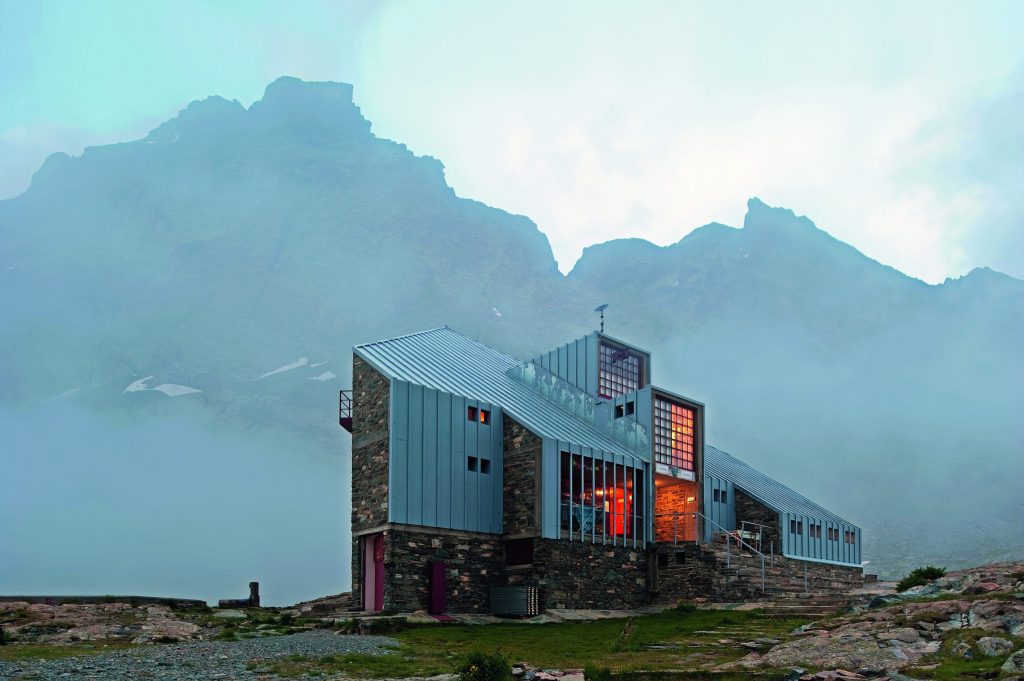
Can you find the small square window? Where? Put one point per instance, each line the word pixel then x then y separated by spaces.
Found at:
pixel 619 411
pixel 725 498
pixel 485 466
pixel 471 463
pixel 663 560
pixel 717 495
pixel 471 413
pixel 630 408
pixel 680 557
pixel 485 417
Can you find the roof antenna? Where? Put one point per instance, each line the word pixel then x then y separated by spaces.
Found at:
pixel 601 308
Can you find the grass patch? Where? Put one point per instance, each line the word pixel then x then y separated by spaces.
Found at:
pixel 619 645
pixel 952 667
pixel 41 651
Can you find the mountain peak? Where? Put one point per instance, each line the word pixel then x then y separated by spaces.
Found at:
pixel 290 101
pixel 761 215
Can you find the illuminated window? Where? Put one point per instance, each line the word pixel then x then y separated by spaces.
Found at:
pixel 674 438
pixel 601 500
pixel 471 413
pixel 620 370
pixel 485 417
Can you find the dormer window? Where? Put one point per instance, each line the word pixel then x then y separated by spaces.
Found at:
pixel 620 370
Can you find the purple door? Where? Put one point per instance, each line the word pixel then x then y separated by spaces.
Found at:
pixel 378 572
pixel 438 592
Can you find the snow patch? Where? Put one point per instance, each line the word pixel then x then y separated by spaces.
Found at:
pixel 63 395
pixel 169 389
pixel 300 362
pixel 174 390
pixel 325 376
pixel 138 386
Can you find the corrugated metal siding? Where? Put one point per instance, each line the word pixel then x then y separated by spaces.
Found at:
pixel 791 506
pixel 575 362
pixel 429 480
pixel 445 360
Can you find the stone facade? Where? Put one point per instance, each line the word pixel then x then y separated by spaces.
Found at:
pixel 520 510
pixel 748 508
pixel 675 518
pixel 703 571
pixel 472 561
pixel 371 394
pixel 583 575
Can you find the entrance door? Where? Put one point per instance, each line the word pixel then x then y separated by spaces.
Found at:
pixel 373 573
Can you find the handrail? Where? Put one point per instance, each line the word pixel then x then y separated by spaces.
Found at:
pixel 729 533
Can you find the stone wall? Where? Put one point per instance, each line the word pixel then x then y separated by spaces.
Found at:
pixel 371 398
pixel 473 564
pixel 681 525
pixel 748 508
pixel 522 451
pixel 371 404
pixel 702 571
pixel 583 575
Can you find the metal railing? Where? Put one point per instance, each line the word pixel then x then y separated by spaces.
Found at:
pixel 690 521
pixel 345 408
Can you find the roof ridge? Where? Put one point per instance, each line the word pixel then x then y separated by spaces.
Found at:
pixel 408 335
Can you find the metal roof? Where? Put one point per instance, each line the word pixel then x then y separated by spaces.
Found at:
pixel 771 492
pixel 444 359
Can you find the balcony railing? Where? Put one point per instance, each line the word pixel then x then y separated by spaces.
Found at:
pixel 345 409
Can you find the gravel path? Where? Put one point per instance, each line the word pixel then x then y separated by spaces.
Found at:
pixel 193 661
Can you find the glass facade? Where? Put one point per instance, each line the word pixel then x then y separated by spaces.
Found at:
pixel 601 501
pixel 620 370
pixel 674 434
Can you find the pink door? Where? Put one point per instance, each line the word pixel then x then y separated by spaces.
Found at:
pixel 378 573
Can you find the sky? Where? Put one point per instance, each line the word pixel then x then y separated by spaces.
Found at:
pixel 897 127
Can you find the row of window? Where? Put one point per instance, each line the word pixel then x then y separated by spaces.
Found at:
pixel 483 415
pixel 814 531
pixel 674 434
pixel 627 409
pixel 477 464
pixel 720 495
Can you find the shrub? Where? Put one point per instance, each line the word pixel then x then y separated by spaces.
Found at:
pixel 3 637
pixel 920 576
pixel 591 673
pixel 285 618
pixel 484 667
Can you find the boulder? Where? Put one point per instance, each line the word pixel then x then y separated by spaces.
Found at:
pixel 962 649
pixel 993 646
pixel 1015 663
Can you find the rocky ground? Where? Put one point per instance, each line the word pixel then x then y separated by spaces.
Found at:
pixel 972 618
pixel 967 624
pixel 195 661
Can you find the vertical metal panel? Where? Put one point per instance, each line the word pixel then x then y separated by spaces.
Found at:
pixel 572 356
pixel 398 453
pixel 581 365
pixel 444 460
pixel 591 351
pixel 550 518
pixel 458 463
pixel 414 460
pixel 428 515
pixel 497 470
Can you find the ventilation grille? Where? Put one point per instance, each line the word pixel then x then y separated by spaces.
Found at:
pixel 515 600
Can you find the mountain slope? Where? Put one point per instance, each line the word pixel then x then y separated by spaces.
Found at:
pixel 240 253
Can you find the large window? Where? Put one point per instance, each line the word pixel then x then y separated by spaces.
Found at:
pixel 620 370
pixel 674 434
pixel 601 501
